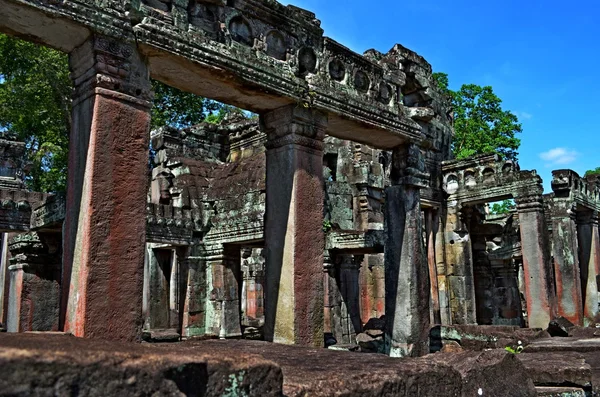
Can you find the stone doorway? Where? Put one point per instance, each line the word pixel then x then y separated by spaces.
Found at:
pixel 164 293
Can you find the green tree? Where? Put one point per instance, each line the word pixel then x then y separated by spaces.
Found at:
pixel 503 207
pixel 593 172
pixel 481 125
pixel 35 106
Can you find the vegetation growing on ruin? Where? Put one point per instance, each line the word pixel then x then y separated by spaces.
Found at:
pixel 481 125
pixel 593 172
pixel 35 107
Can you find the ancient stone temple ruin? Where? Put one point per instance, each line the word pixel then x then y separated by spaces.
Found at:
pixel 336 216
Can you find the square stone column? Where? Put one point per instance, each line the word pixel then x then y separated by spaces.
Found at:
pixel 566 261
pixel 34 284
pixel 431 227
pixel 589 259
pixel 294 239
pixel 105 225
pixel 224 285
pixel 459 286
pixel 539 282
pixel 407 287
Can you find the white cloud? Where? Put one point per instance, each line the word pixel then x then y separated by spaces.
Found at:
pixel 524 115
pixel 559 156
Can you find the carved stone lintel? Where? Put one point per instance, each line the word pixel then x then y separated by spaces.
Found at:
pixel 111 66
pixel 529 203
pixel 295 125
pixel 408 167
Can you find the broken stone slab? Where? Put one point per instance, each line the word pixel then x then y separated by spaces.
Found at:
pixel 556 369
pixel 480 337
pixel 160 335
pixel 369 344
pixel 588 345
pixel 544 391
pixel 560 327
pixel 489 373
pixel 59 365
pixel 347 347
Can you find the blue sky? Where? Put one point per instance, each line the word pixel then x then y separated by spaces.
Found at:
pixel 542 58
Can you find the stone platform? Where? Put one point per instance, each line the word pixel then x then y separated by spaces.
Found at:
pixel 42 364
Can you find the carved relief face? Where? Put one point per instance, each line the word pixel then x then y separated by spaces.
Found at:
pixel 385 93
pixel 307 60
pixel 337 70
pixel 361 81
pixel 241 31
pixel 276 45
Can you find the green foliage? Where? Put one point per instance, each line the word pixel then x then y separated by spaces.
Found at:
pixel 35 105
pixel 593 172
pixel 517 350
pixel 327 226
pixel 503 207
pixel 180 109
pixel 481 125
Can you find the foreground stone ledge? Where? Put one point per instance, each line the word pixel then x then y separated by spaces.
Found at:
pixel 49 365
pixel 322 372
pixel 52 364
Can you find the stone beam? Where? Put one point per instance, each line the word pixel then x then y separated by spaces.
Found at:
pixel 294 237
pixel 104 233
pixel 255 54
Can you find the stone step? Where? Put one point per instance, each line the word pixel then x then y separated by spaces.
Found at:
pixel 560 391
pixel 161 335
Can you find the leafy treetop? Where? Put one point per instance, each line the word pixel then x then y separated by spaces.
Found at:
pixel 481 125
pixel 593 172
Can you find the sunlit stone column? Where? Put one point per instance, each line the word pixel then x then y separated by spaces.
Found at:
pixel 589 259
pixel 105 222
pixel 566 261
pixel 539 283
pixel 294 238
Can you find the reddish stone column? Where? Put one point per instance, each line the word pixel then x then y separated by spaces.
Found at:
pixel 294 238
pixel 589 242
pixel 539 283
pixel 34 284
pixel 105 222
pixel 431 231
pixel 566 261
pixel 406 273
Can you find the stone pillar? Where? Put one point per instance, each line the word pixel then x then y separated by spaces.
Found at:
pixel 431 225
pixel 224 289
pixel 328 278
pixel 34 284
pixel 406 274
pixel 440 258
pixel 349 292
pixel 107 188
pixel 566 261
pixel 537 271
pixel 589 259
pixel 460 282
pixel 4 279
pixel 294 238
pixel 193 322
